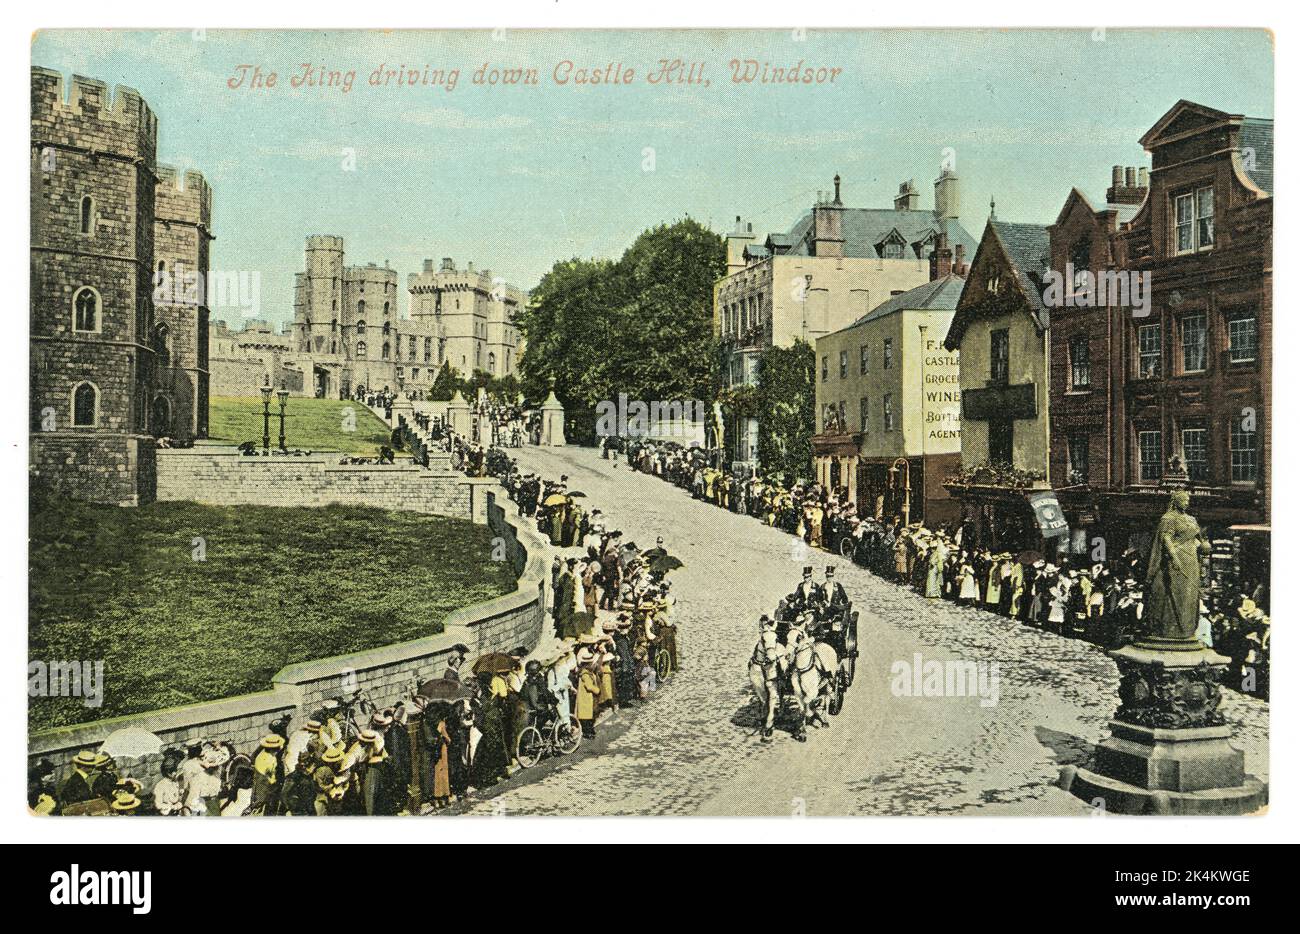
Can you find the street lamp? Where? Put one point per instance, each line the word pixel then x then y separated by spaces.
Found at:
pixel 902 464
pixel 284 400
pixel 266 416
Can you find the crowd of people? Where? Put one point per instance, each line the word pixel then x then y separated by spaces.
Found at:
pixel 1096 600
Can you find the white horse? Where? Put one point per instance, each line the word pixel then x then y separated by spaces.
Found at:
pixel 812 667
pixel 764 674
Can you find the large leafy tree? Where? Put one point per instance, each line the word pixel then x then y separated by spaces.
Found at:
pixel 786 402
pixel 641 326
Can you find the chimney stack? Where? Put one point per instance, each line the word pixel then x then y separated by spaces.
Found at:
pixel 907 199
pixel 737 240
pixel 428 265
pixel 1128 185
pixel 959 266
pixel 941 259
pixel 828 225
pixel 448 265
pixel 947 203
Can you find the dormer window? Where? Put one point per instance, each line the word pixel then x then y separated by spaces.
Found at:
pixel 891 246
pixel 993 281
pixel 1194 220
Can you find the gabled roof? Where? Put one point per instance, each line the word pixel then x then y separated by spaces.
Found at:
pixel 1184 117
pixel 1188 118
pixel 936 295
pixel 1123 212
pixel 1026 249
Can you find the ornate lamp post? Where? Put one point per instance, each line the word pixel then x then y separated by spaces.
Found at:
pixel 902 464
pixel 284 400
pixel 266 416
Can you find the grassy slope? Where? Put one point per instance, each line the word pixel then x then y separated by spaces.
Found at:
pixel 310 424
pixel 278 586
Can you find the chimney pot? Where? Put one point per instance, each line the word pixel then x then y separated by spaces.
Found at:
pixel 1144 178
pixel 1130 177
pixel 1117 175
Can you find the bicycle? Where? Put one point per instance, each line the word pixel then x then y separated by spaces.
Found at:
pixel 348 706
pixel 561 736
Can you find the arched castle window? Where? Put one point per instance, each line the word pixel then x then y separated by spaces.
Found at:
pixel 361 349
pixel 85 405
pixel 385 309
pixel 388 328
pixel 88 216
pixel 361 328
pixel 361 308
pixel 385 351
pixel 85 309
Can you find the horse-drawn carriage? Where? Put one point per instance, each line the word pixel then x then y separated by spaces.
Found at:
pixel 813 663
pixel 837 626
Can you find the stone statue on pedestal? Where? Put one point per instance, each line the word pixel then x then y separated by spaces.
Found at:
pixel 1173 598
pixel 1169 749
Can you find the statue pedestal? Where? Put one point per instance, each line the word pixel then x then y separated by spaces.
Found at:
pixel 1168 752
pixel 552 422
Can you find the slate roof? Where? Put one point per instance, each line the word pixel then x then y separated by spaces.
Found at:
pixel 937 295
pixel 1257 133
pixel 1029 249
pixel 863 228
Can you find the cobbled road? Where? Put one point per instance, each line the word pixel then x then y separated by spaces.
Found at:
pixel 692 749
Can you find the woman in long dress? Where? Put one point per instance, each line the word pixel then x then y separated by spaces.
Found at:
pixel 491 758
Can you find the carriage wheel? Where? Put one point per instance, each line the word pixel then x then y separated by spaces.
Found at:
pixel 663 664
pixel 847 668
pixel 568 734
pixel 530 747
pixel 847 546
pixel 837 698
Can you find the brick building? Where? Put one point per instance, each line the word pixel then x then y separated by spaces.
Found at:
pixel 1186 395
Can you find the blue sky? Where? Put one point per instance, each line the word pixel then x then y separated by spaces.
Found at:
pixel 516 178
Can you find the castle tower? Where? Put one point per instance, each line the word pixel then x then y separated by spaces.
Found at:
pixel 318 296
pixel 93 176
pixel 182 287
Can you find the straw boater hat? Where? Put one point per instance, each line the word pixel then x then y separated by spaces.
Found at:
pixel 125 803
pixel 312 726
pixel 381 719
pixel 273 741
pixel 84 759
pixel 332 756
pixel 103 759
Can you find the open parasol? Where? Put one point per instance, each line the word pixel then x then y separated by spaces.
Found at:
pixel 577 494
pixel 444 689
pixel 494 662
pixel 555 499
pixel 664 563
pixel 131 743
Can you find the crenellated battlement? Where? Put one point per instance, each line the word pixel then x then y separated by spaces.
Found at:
pixel 84 113
pixel 183 196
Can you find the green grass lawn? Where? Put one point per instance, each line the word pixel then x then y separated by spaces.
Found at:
pixel 277 586
pixel 310 424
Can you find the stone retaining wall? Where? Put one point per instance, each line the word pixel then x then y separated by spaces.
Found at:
pixel 388 673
